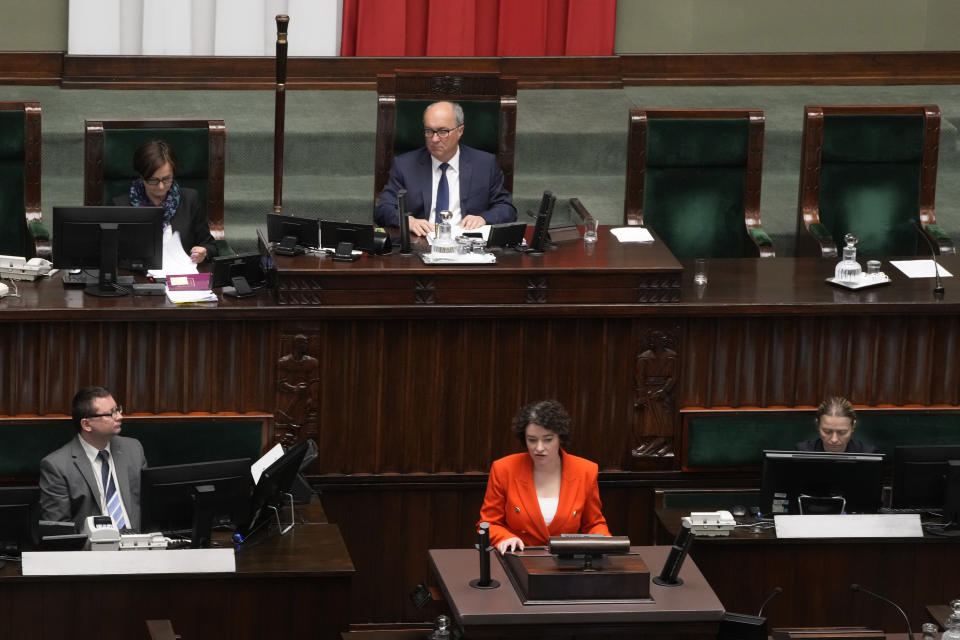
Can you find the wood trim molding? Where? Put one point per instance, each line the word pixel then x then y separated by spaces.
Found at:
pixel 590 72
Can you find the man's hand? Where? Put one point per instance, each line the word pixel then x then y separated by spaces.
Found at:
pixel 472 222
pixel 419 226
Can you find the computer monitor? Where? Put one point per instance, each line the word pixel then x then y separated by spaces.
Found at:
pixel 797 482
pixel 106 238
pixel 239 274
pixel 541 230
pixel 19 517
pixel 168 497
pixel 922 478
pixel 292 234
pixel 276 480
pixel 344 237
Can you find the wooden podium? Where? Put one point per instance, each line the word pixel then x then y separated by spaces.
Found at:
pixel 689 611
pixel 541 578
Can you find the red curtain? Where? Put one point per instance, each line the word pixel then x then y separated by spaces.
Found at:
pixel 454 28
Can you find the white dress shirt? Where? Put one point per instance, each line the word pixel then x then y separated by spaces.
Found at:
pixel 453 184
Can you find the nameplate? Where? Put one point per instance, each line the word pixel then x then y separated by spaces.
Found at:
pixel 865 525
pixel 100 563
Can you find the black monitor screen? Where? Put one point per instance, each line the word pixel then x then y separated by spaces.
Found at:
pixel 108 238
pixel 166 493
pixel 248 266
pixel 541 230
pixel 19 515
pixel 920 475
pixel 305 230
pixel 276 480
pixel 816 482
pixel 360 236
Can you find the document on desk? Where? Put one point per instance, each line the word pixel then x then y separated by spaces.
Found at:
pixel 175 259
pixel 861 525
pixel 632 234
pixel 920 268
pixel 105 563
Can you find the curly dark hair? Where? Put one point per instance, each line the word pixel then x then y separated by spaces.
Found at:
pixel 549 414
pixel 836 406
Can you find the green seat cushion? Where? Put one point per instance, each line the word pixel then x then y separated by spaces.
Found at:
pixel 693 194
pixel 870 181
pixel 12 158
pixel 481 125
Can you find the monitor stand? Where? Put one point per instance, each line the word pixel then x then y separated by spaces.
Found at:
pixel 107 285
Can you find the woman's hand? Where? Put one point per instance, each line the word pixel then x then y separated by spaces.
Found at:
pixel 198 255
pixel 510 544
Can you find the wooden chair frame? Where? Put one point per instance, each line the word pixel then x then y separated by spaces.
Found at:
pixel 32 170
pixel 444 85
pixel 217 135
pixel 811 165
pixel 637 163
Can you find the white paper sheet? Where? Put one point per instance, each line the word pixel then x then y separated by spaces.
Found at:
pixel 919 268
pixel 186 297
pixel 265 461
pixel 864 525
pixel 175 259
pixel 632 234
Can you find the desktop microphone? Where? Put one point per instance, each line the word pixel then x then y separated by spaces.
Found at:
pixel 404 222
pixel 483 546
pixel 938 289
pixel 773 594
pixel 670 574
pixel 856 587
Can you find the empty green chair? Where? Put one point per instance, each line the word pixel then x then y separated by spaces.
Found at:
pixel 870 171
pixel 693 177
pixel 22 232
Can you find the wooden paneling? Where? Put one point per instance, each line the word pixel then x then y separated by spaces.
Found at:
pixel 600 72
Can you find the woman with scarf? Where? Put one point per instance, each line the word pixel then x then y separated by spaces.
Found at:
pixel 156 164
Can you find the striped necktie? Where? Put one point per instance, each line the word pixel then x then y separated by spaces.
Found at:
pixel 110 493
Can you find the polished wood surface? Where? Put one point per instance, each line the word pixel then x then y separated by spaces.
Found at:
pixel 568 72
pixel 409 403
pixel 816 575
pixel 691 610
pixel 295 586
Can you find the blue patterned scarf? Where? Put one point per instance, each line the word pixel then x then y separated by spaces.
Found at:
pixel 170 204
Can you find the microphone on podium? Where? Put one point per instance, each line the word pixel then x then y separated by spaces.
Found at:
pixel 938 289
pixel 404 222
pixel 483 546
pixel 773 594
pixel 856 588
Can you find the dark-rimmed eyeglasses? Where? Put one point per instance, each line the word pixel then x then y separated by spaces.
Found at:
pixel 115 413
pixel 441 133
pixel 153 182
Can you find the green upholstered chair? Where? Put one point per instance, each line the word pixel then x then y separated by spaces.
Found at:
pixel 22 232
pixel 489 104
pixel 870 171
pixel 199 144
pixel 693 176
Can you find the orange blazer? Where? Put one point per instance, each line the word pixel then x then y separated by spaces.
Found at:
pixel 512 509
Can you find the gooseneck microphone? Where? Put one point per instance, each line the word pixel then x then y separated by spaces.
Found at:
pixel 856 587
pixel 404 222
pixel 773 594
pixel 938 289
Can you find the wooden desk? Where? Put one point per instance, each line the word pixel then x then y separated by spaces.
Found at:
pixel 295 586
pixel 689 611
pixel 414 385
pixel 816 575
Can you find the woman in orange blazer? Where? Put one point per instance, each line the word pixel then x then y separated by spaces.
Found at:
pixel 545 491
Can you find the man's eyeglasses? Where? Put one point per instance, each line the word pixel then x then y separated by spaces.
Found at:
pixel 441 133
pixel 117 410
pixel 153 182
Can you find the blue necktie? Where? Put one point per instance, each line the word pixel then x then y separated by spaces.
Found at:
pixel 112 498
pixel 443 193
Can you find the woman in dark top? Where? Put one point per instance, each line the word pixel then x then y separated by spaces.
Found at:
pixel 836 421
pixel 156 164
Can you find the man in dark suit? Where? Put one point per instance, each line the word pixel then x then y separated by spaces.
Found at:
pixel 97 472
pixel 445 175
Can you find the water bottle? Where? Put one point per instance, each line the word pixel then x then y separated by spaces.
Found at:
pixel 848 269
pixel 953 622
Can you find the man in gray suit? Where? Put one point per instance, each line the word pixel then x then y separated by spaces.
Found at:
pixel 96 473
